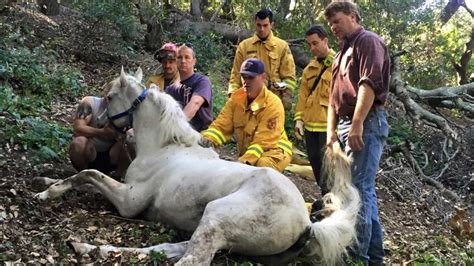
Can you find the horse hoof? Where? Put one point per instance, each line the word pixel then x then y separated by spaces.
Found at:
pixel 42 196
pixel 80 248
pixel 40 183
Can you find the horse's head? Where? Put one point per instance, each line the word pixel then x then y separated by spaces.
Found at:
pixel 124 94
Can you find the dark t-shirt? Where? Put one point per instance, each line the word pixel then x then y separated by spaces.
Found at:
pixel 363 59
pixel 182 92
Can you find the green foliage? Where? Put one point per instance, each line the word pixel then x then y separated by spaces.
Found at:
pixel 430 259
pixel 414 26
pixel 219 90
pixel 119 13
pixel 158 256
pixel 401 130
pixel 46 139
pixel 214 59
pixel 36 76
pixel 33 80
pixel 467 257
pixel 212 53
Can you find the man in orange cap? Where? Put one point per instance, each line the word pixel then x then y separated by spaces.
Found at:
pixel 166 55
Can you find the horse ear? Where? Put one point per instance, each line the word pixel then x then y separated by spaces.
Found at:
pixel 123 78
pixel 139 74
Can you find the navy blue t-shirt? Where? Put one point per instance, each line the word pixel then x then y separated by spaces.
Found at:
pixel 182 92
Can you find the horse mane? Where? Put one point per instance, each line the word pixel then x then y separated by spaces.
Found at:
pixel 174 127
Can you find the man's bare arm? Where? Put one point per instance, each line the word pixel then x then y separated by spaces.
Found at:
pixel 365 100
pixel 82 120
pixel 193 106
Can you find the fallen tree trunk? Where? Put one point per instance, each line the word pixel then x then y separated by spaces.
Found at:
pixel 460 97
pixel 402 92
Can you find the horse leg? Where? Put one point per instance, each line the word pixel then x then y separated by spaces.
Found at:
pixel 173 251
pixel 129 200
pixel 250 220
pixel 40 182
pixel 206 240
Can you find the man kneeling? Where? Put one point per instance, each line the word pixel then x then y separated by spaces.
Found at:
pixel 257 118
pixel 96 145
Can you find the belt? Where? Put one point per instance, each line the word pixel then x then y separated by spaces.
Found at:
pixel 373 109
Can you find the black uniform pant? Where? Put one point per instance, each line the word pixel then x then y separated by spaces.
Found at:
pixel 315 146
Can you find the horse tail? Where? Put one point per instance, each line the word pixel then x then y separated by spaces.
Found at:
pixel 332 235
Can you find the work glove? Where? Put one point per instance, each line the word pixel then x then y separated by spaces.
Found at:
pixel 299 129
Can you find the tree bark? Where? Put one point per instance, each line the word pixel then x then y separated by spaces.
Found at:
pixel 463 65
pixel 196 9
pixel 400 89
pixel 216 13
pixel 48 7
pixel 460 97
pixel 448 11
pixel 284 8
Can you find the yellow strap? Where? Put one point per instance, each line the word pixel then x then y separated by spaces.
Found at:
pixel 316 127
pixel 286 146
pixel 298 116
pixel 255 149
pixel 215 135
pixel 290 84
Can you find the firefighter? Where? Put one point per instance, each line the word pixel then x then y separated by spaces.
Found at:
pixel 256 116
pixel 313 99
pixel 275 55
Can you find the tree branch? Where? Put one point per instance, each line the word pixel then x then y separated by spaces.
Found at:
pixel 214 16
pixel 427 179
pixel 400 89
pixel 470 11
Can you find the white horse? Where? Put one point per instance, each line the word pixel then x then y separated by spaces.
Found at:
pixel 228 205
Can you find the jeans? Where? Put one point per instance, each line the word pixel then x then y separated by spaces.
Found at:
pixel 364 169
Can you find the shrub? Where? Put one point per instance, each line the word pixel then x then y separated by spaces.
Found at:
pixel 119 13
pixel 32 80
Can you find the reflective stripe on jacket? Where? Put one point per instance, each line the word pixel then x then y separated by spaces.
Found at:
pixel 160 80
pixel 275 55
pixel 312 107
pixel 251 125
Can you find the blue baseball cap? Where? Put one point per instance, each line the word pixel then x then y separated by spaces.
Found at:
pixel 252 67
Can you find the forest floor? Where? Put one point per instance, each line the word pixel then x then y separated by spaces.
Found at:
pixel 417 218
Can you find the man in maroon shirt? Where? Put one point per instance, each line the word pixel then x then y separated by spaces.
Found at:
pixel 360 80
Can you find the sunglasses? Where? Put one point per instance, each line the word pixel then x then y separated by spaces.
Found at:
pixel 187 44
pixel 165 55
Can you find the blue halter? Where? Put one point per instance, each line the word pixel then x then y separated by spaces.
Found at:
pixel 129 113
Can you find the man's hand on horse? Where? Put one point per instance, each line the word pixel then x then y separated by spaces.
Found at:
pixel 206 143
pixel 110 132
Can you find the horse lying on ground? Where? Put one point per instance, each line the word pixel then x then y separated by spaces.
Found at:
pixel 227 205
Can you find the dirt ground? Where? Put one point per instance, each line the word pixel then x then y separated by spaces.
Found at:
pixel 416 216
pixel 34 231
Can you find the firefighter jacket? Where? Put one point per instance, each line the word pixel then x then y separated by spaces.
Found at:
pixel 275 55
pixel 312 106
pixel 250 123
pixel 160 80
